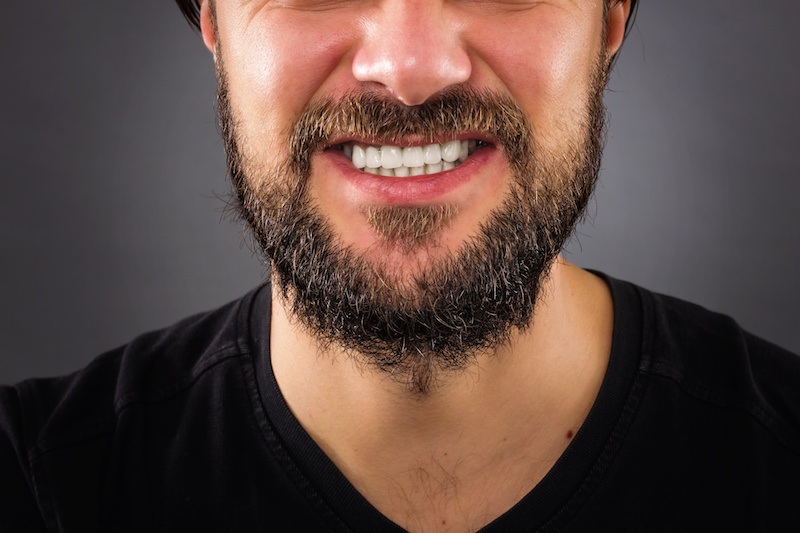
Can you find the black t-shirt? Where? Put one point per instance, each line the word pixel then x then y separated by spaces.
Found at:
pixel 696 428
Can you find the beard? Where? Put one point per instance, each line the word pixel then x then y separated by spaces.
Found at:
pixel 434 321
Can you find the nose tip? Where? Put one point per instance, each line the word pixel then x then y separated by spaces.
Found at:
pixel 411 79
pixel 413 55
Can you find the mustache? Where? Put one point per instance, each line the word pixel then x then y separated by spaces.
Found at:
pixel 374 116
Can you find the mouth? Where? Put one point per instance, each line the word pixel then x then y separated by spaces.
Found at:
pixel 409 161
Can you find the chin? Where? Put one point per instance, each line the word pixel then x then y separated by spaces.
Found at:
pixel 402 243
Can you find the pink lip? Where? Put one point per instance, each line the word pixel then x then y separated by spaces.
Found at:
pixel 416 190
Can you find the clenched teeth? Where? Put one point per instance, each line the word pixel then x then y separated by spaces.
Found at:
pixel 412 161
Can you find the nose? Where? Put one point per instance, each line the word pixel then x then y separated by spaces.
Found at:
pixel 413 49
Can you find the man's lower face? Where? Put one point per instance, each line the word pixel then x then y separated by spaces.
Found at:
pixel 421 325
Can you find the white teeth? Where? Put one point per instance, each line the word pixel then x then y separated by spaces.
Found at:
pixel 433 154
pixel 359 156
pixel 413 156
pixel 390 160
pixel 433 169
pixel 450 151
pixel 391 156
pixel 464 154
pixel 373 157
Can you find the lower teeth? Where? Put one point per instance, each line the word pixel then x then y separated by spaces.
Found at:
pixel 404 172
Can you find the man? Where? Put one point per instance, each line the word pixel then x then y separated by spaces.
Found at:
pixel 422 358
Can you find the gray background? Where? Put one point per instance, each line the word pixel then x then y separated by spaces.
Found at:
pixel 111 221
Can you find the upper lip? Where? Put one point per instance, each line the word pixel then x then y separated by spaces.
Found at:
pixel 411 140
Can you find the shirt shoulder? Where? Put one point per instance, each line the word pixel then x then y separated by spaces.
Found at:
pixel 713 359
pixel 48 424
pixel 152 366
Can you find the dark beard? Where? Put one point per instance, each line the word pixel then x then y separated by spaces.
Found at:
pixel 441 317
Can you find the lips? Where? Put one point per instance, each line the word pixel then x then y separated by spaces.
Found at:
pixel 408 175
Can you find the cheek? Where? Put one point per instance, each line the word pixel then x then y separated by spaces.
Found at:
pixel 276 67
pixel 547 66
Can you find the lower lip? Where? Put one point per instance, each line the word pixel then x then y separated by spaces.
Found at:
pixel 412 190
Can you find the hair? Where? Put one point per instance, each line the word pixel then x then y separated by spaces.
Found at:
pixel 191 10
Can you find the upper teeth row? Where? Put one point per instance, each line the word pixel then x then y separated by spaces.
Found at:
pixel 411 161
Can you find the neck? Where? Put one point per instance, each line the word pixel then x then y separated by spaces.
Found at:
pixel 466 432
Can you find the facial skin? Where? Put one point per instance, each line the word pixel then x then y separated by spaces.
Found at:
pixel 286 65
